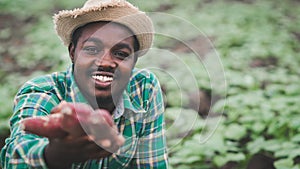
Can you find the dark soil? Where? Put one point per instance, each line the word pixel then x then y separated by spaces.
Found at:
pixel 260 161
pixel 264 62
pixel 199 45
pixel 13 40
pixel 202 101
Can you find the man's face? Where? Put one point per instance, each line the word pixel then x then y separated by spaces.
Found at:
pixel 103 60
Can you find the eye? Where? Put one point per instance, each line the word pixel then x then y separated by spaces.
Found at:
pixel 91 50
pixel 120 54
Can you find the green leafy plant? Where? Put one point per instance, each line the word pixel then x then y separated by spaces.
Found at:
pixel 258 44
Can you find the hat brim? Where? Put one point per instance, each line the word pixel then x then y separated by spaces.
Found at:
pixel 66 22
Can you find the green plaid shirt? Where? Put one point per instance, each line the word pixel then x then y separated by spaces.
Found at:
pixel 139 118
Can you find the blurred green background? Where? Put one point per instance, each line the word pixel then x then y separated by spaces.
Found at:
pixel 252 122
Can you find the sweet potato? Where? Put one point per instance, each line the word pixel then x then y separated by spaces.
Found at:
pixel 98 124
pixel 74 116
pixel 106 115
pixel 45 126
pixel 77 119
pixel 105 135
pixel 64 119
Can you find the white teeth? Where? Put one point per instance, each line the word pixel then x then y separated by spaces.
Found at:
pixel 102 78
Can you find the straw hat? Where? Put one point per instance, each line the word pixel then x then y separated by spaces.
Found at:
pixel 119 11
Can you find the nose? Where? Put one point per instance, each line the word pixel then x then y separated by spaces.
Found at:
pixel 105 60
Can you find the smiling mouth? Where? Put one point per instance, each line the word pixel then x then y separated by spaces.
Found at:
pixel 102 78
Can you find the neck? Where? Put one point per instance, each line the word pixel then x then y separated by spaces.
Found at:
pixel 108 104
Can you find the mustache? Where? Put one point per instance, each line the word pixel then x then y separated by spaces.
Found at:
pixel 105 69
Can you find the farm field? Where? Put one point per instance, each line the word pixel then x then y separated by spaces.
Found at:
pixel 229 70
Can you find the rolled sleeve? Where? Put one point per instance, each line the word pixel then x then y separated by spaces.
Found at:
pixel 24 150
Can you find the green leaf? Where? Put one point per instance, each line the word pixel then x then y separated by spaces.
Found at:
pixel 181 122
pixel 285 163
pixel 258 127
pixel 216 143
pixel 192 159
pixel 296 138
pixel 272 145
pixel 228 157
pixel 219 160
pixel 235 157
pixel 256 145
pixel 235 132
pixel 176 160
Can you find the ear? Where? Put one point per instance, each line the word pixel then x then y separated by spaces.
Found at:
pixel 71 49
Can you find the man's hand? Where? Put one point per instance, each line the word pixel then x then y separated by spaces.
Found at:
pixel 61 153
pixel 76 133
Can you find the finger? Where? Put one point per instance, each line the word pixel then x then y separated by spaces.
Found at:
pixel 83 110
pixel 72 125
pixel 58 108
pixel 74 117
pixel 108 135
pixel 45 126
pixel 102 113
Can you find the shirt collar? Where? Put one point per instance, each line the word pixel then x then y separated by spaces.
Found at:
pixel 74 92
pixel 131 104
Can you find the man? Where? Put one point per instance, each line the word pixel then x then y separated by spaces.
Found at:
pixel 104 39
